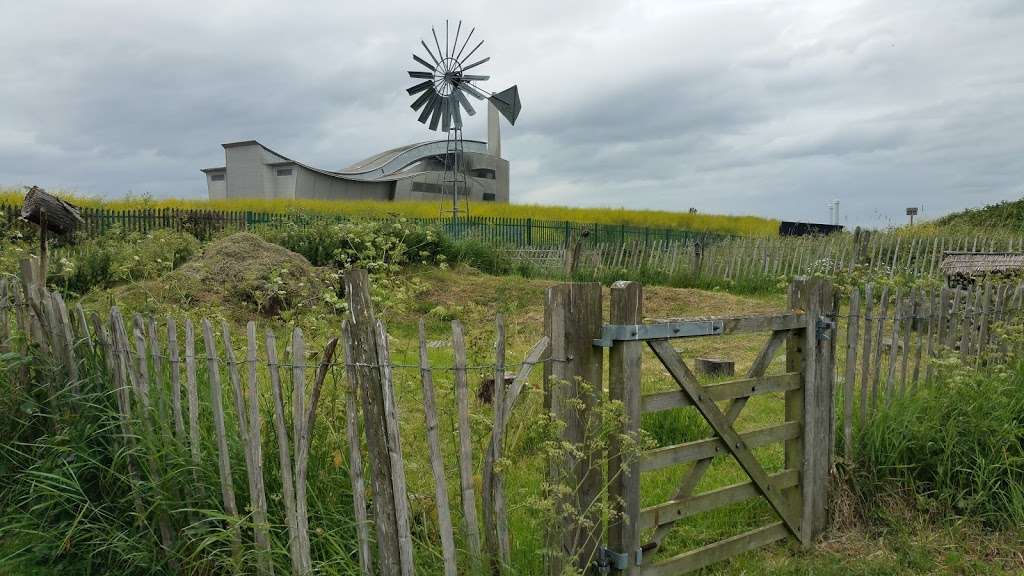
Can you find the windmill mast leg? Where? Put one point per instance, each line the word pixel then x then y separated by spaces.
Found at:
pixel 493 131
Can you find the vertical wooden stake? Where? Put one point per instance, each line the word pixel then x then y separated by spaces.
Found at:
pixel 227 486
pixel 283 451
pixel 853 319
pixel 865 362
pixel 355 462
pixel 465 448
pixel 444 518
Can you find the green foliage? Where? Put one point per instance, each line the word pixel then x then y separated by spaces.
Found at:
pixel 115 257
pixel 957 446
pixel 1007 215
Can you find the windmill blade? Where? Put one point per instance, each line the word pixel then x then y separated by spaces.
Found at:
pixel 419 87
pixel 471 52
pixel 507 102
pixel 475 77
pixel 473 91
pixel 465 102
pixel 459 56
pixel 418 74
pixel 446 115
pixel 422 99
pixel 428 108
pixel 426 64
pixel 456 114
pixel 436 43
pixel 455 43
pixel 435 115
pixel 475 64
pixel 427 48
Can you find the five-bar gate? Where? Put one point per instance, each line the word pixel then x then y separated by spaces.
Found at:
pixel 797 494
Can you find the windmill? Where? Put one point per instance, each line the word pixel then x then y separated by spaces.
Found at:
pixel 441 100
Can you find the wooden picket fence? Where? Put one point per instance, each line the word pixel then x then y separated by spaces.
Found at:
pixel 893 336
pixel 181 383
pixel 146 367
pixel 764 261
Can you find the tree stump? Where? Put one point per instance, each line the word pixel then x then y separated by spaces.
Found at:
pixel 715 367
pixel 485 394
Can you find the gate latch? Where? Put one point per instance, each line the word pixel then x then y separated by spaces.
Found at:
pixel 608 558
pixel 824 329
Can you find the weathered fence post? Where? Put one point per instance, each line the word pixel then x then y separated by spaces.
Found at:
pixel 809 350
pixel 573 321
pixel 394 541
pixel 624 386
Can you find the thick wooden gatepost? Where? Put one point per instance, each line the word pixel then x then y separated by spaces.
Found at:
pixel 624 369
pixel 810 351
pixel 572 393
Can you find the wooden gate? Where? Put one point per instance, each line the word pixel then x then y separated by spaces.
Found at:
pixel 797 494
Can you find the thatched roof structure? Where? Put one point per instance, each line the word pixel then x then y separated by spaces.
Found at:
pixel 980 263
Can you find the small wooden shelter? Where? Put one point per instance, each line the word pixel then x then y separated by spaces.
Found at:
pixel 49 212
pixel 964 268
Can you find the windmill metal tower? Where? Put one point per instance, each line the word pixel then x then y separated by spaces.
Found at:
pixel 441 100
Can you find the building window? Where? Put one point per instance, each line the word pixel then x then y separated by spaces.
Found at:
pixel 488 197
pixel 428 187
pixel 487 173
pixel 217 177
pixel 284 172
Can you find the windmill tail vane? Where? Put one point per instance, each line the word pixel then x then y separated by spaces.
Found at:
pixel 449 74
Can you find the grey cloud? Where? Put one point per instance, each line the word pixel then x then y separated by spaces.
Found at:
pixel 767 108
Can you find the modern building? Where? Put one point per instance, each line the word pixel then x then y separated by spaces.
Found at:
pixel 412 172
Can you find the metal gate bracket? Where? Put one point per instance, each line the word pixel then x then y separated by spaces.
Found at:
pixel 608 558
pixel 611 333
pixel 824 328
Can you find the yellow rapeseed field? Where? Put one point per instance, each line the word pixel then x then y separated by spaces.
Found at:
pixel 742 225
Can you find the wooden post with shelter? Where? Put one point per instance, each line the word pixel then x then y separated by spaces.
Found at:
pixel 51 214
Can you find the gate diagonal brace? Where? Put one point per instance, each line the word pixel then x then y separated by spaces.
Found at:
pixel 611 333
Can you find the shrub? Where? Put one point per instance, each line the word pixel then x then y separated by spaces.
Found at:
pixel 112 258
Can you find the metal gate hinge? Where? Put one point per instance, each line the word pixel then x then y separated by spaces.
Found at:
pixel 824 329
pixel 611 333
pixel 607 559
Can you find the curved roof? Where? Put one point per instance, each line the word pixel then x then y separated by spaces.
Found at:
pixel 391 161
pixel 385 166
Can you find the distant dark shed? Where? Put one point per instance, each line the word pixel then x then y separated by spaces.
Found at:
pixel 787 228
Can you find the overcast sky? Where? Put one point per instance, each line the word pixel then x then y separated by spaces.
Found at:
pixel 743 107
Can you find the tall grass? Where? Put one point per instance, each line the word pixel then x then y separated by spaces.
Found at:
pixel 80 497
pixel 956 448
pixel 743 225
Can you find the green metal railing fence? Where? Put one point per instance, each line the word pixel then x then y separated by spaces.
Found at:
pixel 513 232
